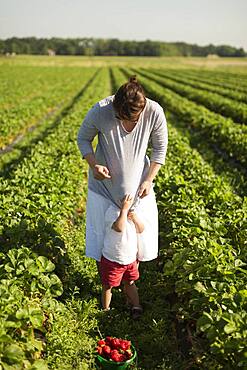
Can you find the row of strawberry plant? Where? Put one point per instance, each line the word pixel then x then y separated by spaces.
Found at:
pixel 220 131
pixel 203 229
pixel 18 119
pixel 38 201
pixel 234 175
pixel 214 78
pixel 22 148
pixel 21 84
pixel 227 107
pixel 187 80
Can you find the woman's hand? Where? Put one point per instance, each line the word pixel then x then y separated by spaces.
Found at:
pixel 101 172
pixel 145 188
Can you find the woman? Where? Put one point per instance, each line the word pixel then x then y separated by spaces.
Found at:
pixel 124 124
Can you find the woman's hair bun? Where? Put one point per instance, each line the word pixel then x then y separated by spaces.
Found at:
pixel 129 100
pixel 133 79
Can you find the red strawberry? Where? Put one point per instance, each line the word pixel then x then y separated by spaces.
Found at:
pixel 108 340
pixel 114 351
pixel 99 349
pixel 114 355
pixel 125 344
pixel 101 343
pixel 115 343
pixel 106 350
pixel 121 357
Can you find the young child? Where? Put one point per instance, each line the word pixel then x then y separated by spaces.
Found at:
pixel 119 255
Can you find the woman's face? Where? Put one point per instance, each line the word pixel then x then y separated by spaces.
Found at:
pixel 133 116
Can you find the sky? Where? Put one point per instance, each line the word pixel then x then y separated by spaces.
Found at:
pixel 193 21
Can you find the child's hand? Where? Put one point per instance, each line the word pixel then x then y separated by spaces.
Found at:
pixel 131 215
pixel 139 225
pixel 127 202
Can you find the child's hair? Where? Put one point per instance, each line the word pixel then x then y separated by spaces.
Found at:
pixel 129 100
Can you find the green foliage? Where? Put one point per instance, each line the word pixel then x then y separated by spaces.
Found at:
pixel 27 280
pixel 213 102
pixel 44 92
pixel 204 227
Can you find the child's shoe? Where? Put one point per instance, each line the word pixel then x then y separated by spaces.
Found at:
pixel 136 312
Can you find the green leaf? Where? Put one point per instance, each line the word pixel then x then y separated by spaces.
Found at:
pixel 13 354
pixel 243 293
pixel 36 317
pixel 33 268
pixel 204 323
pixel 199 287
pixel 21 314
pixel 45 264
pixel 203 224
pixel 39 365
pixel 11 367
pixel 230 328
pixel 4 338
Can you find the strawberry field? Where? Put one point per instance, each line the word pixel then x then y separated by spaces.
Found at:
pixel 194 296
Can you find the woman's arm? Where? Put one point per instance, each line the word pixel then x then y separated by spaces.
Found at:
pixel 147 183
pixel 159 137
pixel 100 172
pixel 86 134
pixel 159 141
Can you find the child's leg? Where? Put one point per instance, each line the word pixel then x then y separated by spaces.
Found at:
pixel 106 296
pixel 131 291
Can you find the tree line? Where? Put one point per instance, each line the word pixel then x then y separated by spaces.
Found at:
pixel 95 46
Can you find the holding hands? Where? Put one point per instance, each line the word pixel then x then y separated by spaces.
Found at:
pixel 125 214
pixel 131 215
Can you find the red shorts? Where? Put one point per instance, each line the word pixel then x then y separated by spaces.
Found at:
pixel 112 273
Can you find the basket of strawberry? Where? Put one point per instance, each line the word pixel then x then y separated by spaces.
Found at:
pixel 115 353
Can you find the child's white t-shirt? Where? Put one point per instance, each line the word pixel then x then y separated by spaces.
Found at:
pixel 120 247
